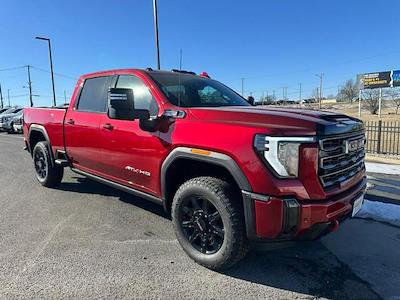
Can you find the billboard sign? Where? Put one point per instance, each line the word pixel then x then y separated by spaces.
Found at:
pixel 396 78
pixel 376 80
pixel 380 79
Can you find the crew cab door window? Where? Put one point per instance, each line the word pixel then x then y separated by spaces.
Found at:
pixel 141 93
pixel 93 97
pixel 209 95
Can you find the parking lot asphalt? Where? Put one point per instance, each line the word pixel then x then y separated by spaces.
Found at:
pixel 87 240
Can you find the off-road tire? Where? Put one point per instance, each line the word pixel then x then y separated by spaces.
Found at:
pixel 227 201
pixel 53 173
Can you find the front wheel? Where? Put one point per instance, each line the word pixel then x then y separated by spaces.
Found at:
pixel 11 130
pixel 208 222
pixel 47 173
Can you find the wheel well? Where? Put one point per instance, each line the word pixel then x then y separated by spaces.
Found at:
pixel 183 169
pixel 34 138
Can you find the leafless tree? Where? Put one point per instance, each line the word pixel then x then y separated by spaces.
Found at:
pixel 370 98
pixel 349 91
pixel 394 95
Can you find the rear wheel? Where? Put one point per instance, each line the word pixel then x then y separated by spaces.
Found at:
pixel 47 173
pixel 208 223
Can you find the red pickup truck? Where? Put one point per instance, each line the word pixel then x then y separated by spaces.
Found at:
pixel 229 173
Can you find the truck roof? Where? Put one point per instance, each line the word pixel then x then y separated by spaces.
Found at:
pixel 119 71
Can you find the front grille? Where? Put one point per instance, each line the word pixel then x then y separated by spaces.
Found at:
pixel 340 158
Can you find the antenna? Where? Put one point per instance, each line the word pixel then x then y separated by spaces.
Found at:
pixel 179 78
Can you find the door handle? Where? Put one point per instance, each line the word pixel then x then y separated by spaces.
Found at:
pixel 71 122
pixel 108 126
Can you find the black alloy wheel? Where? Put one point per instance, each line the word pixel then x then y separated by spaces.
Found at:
pixel 202 224
pixel 41 165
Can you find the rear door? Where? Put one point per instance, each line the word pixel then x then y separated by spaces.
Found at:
pixel 82 123
pixel 132 156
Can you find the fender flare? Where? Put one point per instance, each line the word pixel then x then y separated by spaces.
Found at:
pixel 214 158
pixel 42 130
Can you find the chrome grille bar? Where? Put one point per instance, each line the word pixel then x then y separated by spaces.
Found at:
pixel 340 158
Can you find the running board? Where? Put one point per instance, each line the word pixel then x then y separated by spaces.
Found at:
pixel 119 186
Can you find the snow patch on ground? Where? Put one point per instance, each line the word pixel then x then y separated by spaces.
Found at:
pixel 382 168
pixel 379 211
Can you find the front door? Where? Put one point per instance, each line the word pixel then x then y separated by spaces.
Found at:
pixel 131 156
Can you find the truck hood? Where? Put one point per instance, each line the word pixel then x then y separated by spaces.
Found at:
pixel 280 121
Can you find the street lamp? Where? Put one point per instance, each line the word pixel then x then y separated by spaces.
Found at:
pixel 51 67
pixel 156 33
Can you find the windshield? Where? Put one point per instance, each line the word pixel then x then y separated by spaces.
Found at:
pixel 187 90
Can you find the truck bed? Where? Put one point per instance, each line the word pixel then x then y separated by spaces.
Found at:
pixel 49 119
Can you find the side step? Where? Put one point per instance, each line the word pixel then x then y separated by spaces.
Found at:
pixel 62 162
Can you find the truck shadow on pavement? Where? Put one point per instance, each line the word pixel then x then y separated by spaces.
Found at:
pixel 308 267
pixel 88 186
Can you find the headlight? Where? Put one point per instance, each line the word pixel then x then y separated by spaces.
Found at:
pixel 281 153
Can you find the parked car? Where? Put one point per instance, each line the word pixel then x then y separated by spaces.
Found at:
pixel 3 110
pixel 17 123
pixel 6 118
pixel 229 173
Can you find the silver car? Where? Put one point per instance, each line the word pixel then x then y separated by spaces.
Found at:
pixel 6 118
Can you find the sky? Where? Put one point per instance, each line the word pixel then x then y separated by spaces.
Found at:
pixel 271 44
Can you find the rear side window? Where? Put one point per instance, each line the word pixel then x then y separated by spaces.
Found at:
pixel 93 96
pixel 143 98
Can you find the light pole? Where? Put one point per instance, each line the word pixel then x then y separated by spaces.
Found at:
pixel 30 85
pixel 156 33
pixel 51 67
pixel 8 96
pixel 1 98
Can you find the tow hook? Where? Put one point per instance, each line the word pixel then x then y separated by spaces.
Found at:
pixel 334 225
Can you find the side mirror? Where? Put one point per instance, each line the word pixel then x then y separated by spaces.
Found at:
pixel 121 105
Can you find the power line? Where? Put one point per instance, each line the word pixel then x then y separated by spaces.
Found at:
pixel 58 74
pixel 313 69
pixel 12 68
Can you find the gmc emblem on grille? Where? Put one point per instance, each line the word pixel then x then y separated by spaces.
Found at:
pixel 354 145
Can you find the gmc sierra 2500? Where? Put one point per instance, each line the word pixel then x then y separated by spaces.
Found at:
pixel 228 172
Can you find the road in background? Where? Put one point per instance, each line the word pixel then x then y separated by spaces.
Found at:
pixel 87 240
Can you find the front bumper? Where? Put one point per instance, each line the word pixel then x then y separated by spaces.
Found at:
pixel 271 218
pixel 17 127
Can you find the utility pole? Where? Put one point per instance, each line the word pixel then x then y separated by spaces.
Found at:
pixel 262 99
pixel 156 33
pixel 8 95
pixel 1 98
pixel 320 87
pixel 380 103
pixel 300 92
pixel 65 97
pixel 284 93
pixel 242 87
pixel 359 102
pixel 30 85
